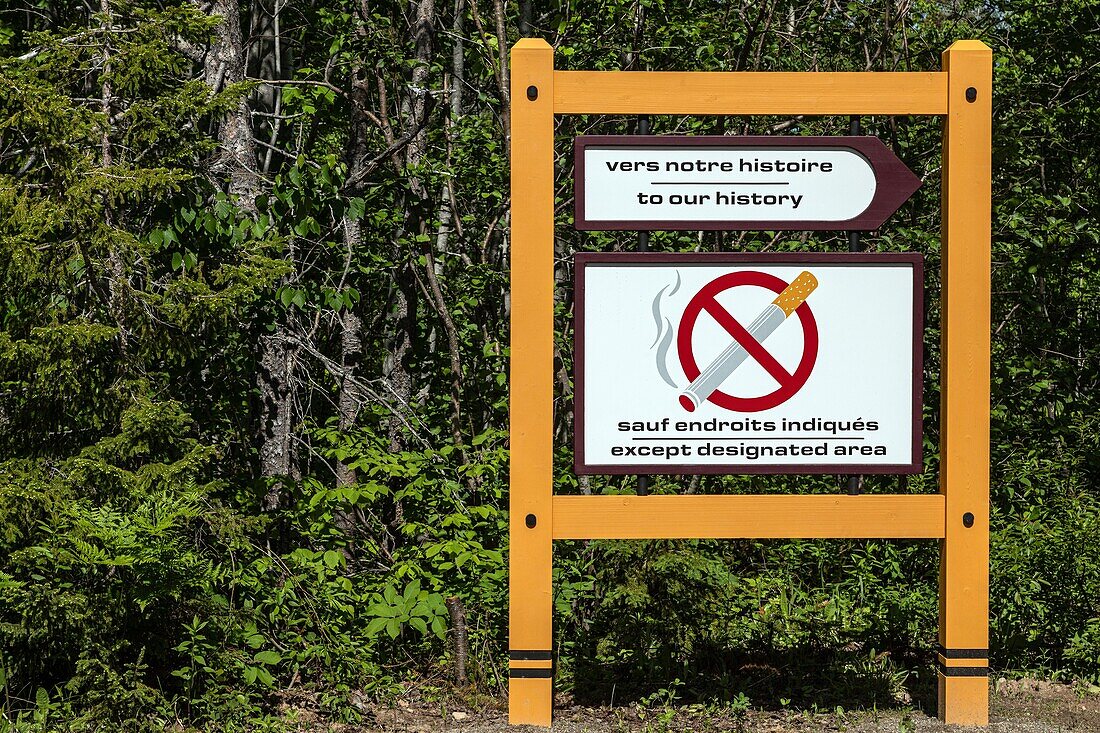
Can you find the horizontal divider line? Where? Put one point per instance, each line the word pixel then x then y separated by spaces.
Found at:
pixel 719 183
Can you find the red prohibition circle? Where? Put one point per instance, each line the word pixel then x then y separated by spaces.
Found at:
pixel 705 299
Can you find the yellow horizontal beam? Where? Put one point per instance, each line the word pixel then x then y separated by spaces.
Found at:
pixel 631 517
pixel 750 93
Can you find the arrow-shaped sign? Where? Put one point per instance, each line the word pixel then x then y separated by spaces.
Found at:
pixel 776 183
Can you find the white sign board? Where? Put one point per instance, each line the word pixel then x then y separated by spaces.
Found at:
pixel 667 182
pixel 748 363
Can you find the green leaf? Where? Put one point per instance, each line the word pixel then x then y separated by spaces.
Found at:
pixel 382 611
pixel 267 657
pixel 356 208
pixel 332 558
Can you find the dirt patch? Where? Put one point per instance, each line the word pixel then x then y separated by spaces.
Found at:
pixel 1017 706
pixel 1067 707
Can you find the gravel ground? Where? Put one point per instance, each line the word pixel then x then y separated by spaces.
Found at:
pixel 1018 706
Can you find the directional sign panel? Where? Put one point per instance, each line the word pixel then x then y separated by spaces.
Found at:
pixel 774 183
pixel 748 363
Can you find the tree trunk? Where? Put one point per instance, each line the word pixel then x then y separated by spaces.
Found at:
pixel 351 346
pixel 458 60
pixel 453 347
pixel 117 280
pixel 236 163
pixel 458 631
pixel 227 64
pixel 401 327
pixel 397 373
pixel 526 18
pixel 274 378
pixel 415 106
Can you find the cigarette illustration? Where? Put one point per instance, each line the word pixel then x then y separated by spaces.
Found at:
pixel 734 355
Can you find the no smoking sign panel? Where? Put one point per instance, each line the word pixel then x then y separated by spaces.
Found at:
pixel 748 363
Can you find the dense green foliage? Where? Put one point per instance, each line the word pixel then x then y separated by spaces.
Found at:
pixel 253 352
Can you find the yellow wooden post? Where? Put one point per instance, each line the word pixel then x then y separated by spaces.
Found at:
pixel 964 408
pixel 531 525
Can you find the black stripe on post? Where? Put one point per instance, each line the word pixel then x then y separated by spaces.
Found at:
pixel 530 654
pixel 963 671
pixel 962 653
pixel 531 673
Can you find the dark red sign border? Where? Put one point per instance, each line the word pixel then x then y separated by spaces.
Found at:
pixel 742 259
pixel 895 183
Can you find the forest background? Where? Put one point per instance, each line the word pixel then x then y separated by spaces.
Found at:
pixel 253 353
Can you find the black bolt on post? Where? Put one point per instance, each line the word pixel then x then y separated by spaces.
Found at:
pixel 643 246
pixel 855 483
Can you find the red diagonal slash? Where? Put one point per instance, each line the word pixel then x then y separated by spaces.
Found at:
pixel 706 299
pixel 742 336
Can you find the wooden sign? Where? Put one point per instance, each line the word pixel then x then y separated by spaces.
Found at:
pixel 723 333
pixel 771 183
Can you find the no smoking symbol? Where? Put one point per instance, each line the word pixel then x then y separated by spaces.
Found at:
pixel 747 342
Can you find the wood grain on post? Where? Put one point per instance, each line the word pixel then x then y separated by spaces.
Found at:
pixel 531 522
pixel 964 408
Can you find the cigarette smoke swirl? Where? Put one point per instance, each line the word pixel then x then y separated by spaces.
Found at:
pixel 656 307
pixel 664 332
pixel 662 352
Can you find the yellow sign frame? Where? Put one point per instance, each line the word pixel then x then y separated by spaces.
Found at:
pixel 958 515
